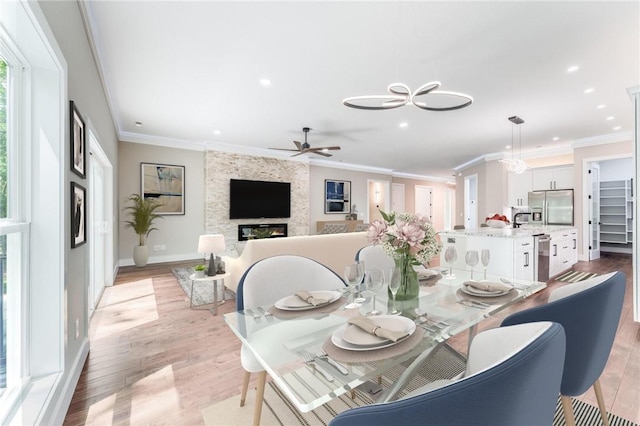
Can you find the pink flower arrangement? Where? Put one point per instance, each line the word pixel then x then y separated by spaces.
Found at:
pixel 404 235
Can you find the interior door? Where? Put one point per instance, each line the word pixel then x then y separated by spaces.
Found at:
pixel 397 197
pixel 471 201
pixel 97 238
pixel 594 211
pixel 424 201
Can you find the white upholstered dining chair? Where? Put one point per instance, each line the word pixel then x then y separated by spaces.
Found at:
pixel 264 283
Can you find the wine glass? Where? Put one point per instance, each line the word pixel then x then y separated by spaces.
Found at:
pixel 450 256
pixel 394 286
pixel 373 280
pixel 361 284
pixel 471 259
pixel 485 256
pixel 353 274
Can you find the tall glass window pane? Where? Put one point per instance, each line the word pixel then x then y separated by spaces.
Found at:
pixel 3 214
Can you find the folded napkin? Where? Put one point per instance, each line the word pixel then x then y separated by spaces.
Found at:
pixel 425 274
pixel 370 327
pixel 488 286
pixel 307 297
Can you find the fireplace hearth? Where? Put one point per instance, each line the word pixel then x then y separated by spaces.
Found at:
pixel 261 230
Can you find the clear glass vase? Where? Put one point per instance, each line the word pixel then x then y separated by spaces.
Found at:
pixel 409 287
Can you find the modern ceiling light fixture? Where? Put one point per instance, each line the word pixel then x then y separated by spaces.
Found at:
pixel 400 95
pixel 515 165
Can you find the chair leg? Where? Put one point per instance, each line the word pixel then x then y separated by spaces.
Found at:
pixel 245 386
pixel 600 398
pixel 569 419
pixel 257 411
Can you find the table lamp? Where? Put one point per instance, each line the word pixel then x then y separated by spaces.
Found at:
pixel 212 244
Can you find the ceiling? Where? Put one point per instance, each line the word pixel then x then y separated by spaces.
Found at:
pixel 188 69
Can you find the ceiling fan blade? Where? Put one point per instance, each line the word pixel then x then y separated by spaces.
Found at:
pixel 324 154
pixel 285 149
pixel 326 148
pixel 298 144
pixel 299 153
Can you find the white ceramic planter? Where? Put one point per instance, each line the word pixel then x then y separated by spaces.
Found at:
pixel 140 255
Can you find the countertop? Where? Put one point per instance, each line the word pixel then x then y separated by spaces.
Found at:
pixel 524 231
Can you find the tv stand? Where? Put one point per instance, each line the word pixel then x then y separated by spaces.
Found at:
pixel 261 230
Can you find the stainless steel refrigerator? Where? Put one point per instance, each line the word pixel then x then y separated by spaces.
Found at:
pixel 551 207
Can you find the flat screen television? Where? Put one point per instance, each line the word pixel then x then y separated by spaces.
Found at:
pixel 254 199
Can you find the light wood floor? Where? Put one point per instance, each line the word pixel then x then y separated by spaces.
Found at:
pixel 153 360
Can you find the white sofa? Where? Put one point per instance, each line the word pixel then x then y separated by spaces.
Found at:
pixel 332 250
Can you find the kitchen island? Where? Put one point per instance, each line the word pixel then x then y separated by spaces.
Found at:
pixel 515 252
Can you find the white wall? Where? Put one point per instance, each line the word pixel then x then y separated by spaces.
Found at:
pixel 618 169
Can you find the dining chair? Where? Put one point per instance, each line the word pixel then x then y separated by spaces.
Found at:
pixel 512 378
pixel 374 256
pixel 589 311
pixel 265 282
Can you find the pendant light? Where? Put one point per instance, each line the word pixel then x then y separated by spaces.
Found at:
pixel 515 165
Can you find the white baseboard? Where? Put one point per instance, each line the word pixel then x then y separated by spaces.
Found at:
pixel 59 412
pixel 163 259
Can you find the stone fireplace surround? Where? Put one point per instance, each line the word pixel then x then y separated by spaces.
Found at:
pixel 220 167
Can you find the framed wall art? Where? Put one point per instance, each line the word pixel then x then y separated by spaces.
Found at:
pixel 165 183
pixel 78 215
pixel 77 145
pixel 337 196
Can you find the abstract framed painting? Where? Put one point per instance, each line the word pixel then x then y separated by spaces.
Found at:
pixel 78 215
pixel 77 145
pixel 164 183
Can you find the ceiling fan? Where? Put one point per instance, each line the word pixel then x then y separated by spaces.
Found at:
pixel 305 148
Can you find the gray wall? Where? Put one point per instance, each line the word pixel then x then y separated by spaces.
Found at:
pixel 85 89
pixel 178 233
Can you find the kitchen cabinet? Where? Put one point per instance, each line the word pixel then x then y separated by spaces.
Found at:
pixel 552 178
pixel 563 251
pixel 525 261
pixel 519 186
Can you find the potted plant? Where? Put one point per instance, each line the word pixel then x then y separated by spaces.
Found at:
pixel 142 216
pixel 199 270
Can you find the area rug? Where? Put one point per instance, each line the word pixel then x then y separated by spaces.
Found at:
pixel 446 363
pixel 575 276
pixel 202 291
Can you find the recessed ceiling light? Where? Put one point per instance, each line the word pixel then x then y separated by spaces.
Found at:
pixel 589 90
pixel 507 147
pixel 601 106
pixel 611 117
pixel 138 124
pixel 216 132
pixel 555 138
pixel 617 128
pixel 403 124
pixel 265 82
pixel 572 68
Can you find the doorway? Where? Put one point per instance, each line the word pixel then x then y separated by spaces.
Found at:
pixel 594 211
pixel 397 197
pixel 100 224
pixel 471 201
pixel 424 201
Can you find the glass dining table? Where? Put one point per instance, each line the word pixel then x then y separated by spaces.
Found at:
pixel 288 342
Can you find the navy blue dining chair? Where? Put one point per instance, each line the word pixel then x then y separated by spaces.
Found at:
pixel 512 378
pixel 589 311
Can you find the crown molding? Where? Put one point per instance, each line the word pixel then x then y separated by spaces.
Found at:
pixel 349 166
pixel 161 141
pixel 633 91
pixel 257 152
pixel 423 177
pixel 603 139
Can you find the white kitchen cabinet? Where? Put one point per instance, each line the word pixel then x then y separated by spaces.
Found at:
pixel 519 186
pixel 524 267
pixel 563 251
pixel 552 178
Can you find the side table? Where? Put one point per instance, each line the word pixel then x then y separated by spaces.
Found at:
pixel 214 280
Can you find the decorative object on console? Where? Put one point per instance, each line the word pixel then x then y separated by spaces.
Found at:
pixel 165 184
pixel 497 221
pixel 305 148
pixel 411 241
pixel 77 144
pixel 515 164
pixel 212 244
pixel 199 270
pixel 401 95
pixel 142 214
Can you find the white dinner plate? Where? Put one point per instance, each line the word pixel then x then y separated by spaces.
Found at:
pixel 357 336
pixel 337 338
pixel 294 303
pixel 482 293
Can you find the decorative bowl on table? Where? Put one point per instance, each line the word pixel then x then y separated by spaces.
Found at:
pixel 494 223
